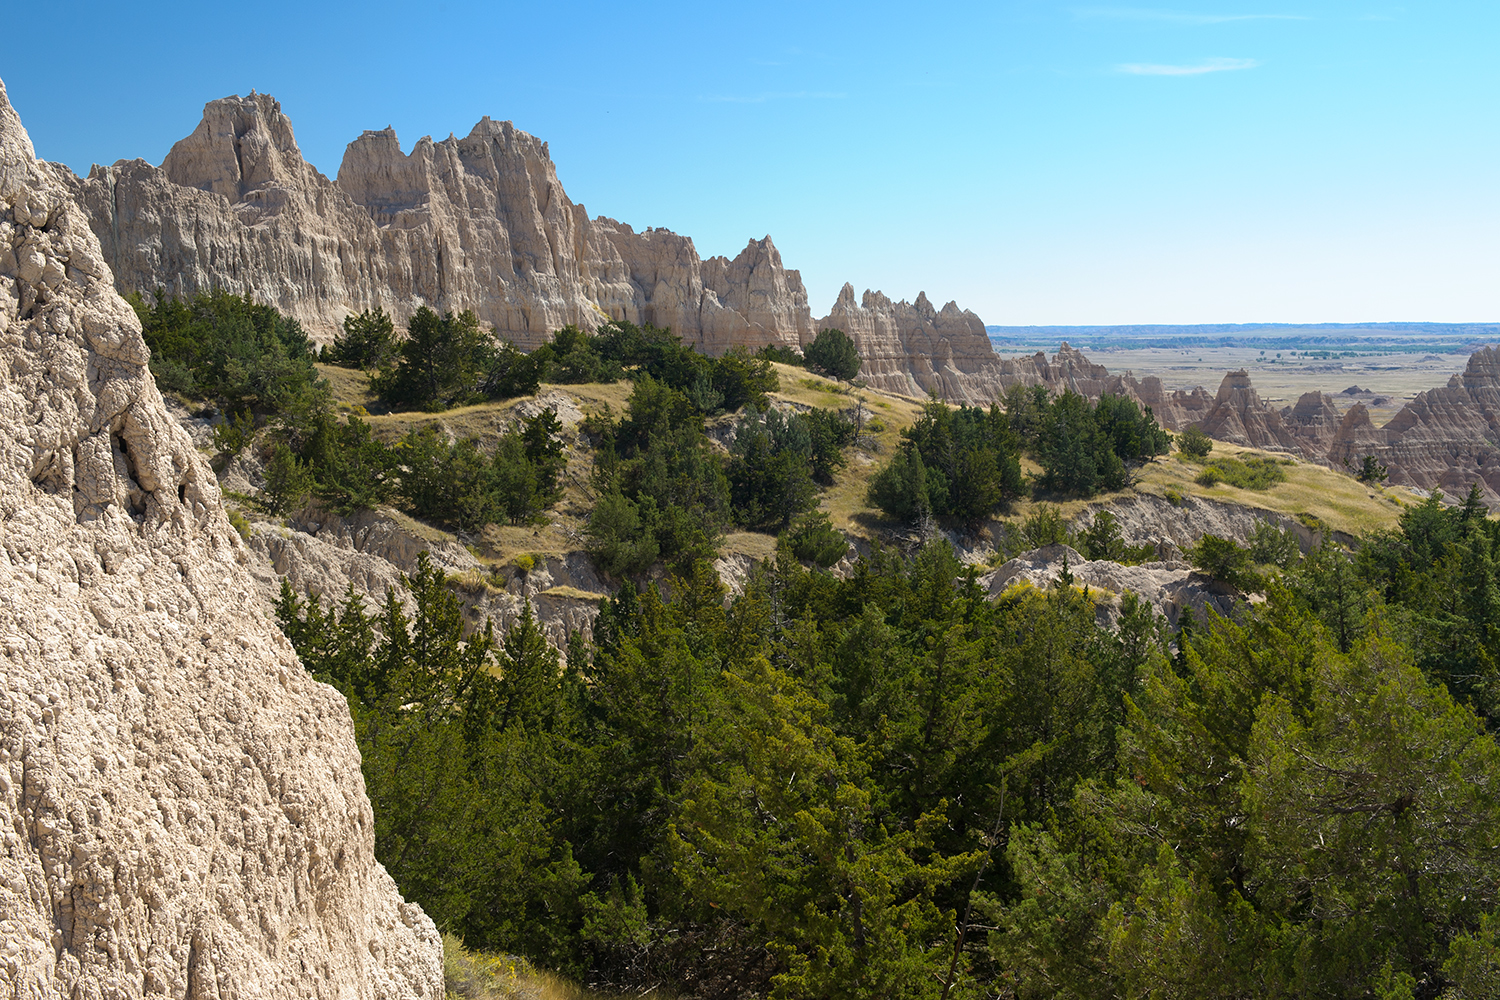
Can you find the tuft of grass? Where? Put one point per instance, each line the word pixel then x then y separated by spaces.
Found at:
pixel 240 523
pixel 477 975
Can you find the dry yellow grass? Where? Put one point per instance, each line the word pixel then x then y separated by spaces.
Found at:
pixel 476 975
pixel 1340 500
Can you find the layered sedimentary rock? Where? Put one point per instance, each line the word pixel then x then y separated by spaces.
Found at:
pixel 478 223
pixel 913 348
pixel 182 807
pixel 1446 438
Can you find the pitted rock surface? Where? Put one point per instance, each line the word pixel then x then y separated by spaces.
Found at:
pixel 181 806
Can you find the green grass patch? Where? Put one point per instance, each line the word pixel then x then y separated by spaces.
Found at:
pixel 1250 472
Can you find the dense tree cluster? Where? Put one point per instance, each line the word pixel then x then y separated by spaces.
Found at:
pixel 248 360
pixel 665 493
pixel 964 465
pixel 893 785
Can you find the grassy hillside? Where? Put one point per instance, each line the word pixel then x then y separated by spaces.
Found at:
pixel 1336 499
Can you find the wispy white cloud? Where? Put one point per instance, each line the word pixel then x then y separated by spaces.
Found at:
pixel 1194 69
pixel 1173 16
pixel 788 95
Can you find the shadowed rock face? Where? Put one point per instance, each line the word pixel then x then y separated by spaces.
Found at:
pixel 183 804
pixel 479 223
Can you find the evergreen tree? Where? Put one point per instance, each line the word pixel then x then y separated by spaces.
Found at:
pixel 832 353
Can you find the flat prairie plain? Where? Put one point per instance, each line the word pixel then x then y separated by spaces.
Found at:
pixel 1388 380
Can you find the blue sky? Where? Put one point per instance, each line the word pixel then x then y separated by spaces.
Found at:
pixel 1039 162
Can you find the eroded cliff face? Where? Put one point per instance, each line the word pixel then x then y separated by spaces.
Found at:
pixel 1446 438
pixel 181 806
pixel 478 223
pixel 913 348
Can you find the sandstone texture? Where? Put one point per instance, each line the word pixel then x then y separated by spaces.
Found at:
pixel 479 223
pixel 181 806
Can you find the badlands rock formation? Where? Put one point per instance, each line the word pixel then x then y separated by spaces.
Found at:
pixel 183 812
pixel 477 223
pixel 1446 438
pixel 1241 417
pixel 912 348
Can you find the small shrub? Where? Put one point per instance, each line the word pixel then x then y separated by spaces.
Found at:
pixel 1173 497
pixel 1194 443
pixel 832 353
pixel 240 523
pixel 875 426
pixel 779 353
pixel 1274 546
pixel 524 563
pixel 1312 522
pixel 1223 559
pixel 1254 472
pixel 1045 526
pixel 814 539
pixel 1371 471
pixel 234 433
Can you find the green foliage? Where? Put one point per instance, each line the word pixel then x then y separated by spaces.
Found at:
pixel 1045 525
pixel 1194 443
pixel 368 341
pixel 235 432
pixel 438 365
pixel 663 491
pixel 509 373
pixel 770 469
pixel 288 480
pixel 245 358
pixel 1225 560
pixel 1133 432
pixel 1254 472
pixel 1077 457
pixel 574 357
pixel 900 489
pixel 968 463
pixel 832 353
pixel 455 483
pixel 1371 471
pixel 1104 540
pixel 1274 546
pixel 821 775
pixel 711 385
pixel 814 539
pixel 781 354
pixel 1083 449
pixel 351 469
pixel 240 523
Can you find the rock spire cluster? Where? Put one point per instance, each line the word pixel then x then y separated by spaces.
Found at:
pixel 479 223
pixel 181 806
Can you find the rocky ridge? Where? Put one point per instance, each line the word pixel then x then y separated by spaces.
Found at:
pixel 1446 438
pixel 479 223
pixel 181 806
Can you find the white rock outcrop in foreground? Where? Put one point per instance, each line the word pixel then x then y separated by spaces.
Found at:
pixel 181 806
